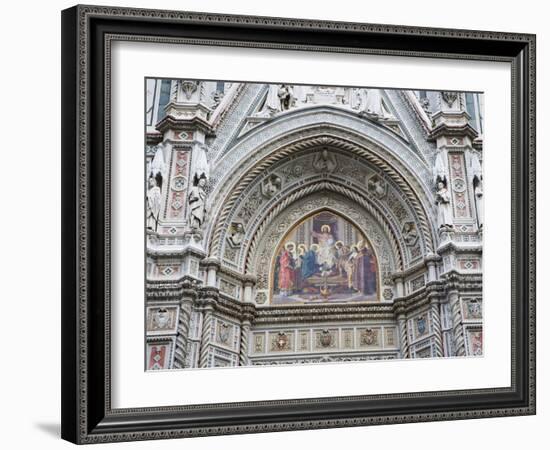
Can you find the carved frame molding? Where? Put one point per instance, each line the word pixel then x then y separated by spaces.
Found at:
pixel 87 415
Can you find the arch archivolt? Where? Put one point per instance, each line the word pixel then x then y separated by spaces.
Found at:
pixel 303 123
pixel 242 182
pixel 300 176
pixel 345 198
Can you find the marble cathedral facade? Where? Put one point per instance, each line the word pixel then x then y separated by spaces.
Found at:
pixel 235 170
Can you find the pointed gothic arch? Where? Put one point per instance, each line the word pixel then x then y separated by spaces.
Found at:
pixel 412 186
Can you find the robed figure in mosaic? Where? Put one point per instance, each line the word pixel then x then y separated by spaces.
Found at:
pixel 325 258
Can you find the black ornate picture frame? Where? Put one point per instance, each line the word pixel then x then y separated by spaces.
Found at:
pixel 87 35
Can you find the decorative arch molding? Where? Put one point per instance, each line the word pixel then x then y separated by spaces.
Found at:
pixel 297 177
pixel 347 196
pixel 313 185
pixel 238 182
pixel 289 125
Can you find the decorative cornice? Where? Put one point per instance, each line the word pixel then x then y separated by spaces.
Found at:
pixel 444 129
pixel 171 123
pixel 459 248
pixel 210 263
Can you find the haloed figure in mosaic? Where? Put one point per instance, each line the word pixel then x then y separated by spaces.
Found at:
pixel 325 258
pixel 290 224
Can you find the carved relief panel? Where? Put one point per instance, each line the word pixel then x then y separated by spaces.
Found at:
pixel 179 180
pixel 459 186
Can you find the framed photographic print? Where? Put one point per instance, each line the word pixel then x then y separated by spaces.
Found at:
pixel 283 224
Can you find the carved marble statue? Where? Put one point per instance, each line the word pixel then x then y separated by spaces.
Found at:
pixel 286 97
pixel 371 103
pixel 478 192
pixel 425 103
pixel 217 97
pixel 201 168
pixel 439 170
pixel 300 93
pixel 272 104
pixel 445 211
pixel 477 183
pixel 153 204
pixel 197 202
pixel 158 166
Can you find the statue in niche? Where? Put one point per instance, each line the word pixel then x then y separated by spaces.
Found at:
pixel 356 98
pixel 443 201
pixel 280 97
pixel 324 161
pixel 425 104
pixel 442 196
pixel 157 167
pixel 217 97
pixel 371 104
pixel 286 97
pixel 197 202
pixel 272 104
pixel 477 182
pixel 440 169
pixel 478 193
pixel 300 93
pixel 201 168
pixel 271 185
pixel 153 204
